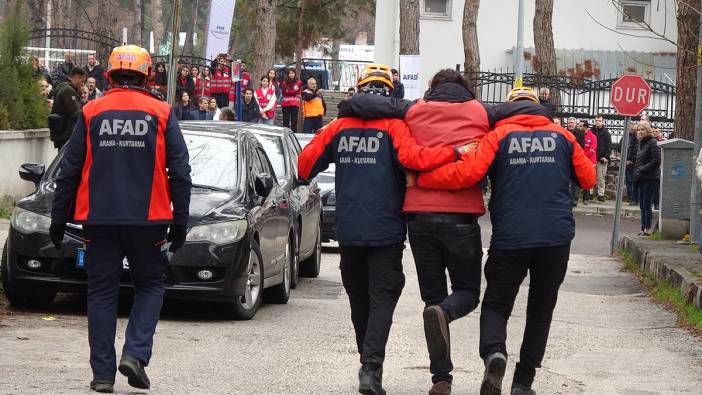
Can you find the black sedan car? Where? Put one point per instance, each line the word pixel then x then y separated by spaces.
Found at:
pixel 241 239
pixel 282 149
pixel 325 181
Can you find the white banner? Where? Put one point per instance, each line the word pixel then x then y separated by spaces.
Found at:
pixel 410 72
pixel 219 27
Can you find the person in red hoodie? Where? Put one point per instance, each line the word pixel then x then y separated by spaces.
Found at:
pixel 591 153
pixel 221 81
pixel 291 88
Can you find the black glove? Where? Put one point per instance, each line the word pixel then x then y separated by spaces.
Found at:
pixel 176 235
pixel 56 232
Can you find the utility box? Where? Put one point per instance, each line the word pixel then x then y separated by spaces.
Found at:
pixel 677 170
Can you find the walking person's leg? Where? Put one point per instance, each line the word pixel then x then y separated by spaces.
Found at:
pixel 504 272
pixel 286 116
pixel 354 276
pixel 427 250
pixel 385 283
pixel 103 264
pixel 546 273
pixel 147 267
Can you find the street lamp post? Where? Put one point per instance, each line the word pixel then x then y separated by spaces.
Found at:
pixel 519 73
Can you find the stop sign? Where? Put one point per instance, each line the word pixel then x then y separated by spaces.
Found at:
pixel 630 95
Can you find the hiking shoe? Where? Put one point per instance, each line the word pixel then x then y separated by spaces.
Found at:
pixel 104 386
pixel 518 389
pixel 134 370
pixel 370 380
pixel 495 365
pixel 441 388
pixel 436 330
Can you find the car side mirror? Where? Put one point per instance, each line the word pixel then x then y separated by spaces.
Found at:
pixel 263 184
pixel 32 172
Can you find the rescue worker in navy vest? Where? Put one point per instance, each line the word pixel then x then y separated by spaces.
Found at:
pixel 313 107
pixel 370 158
pixel 530 162
pixel 124 167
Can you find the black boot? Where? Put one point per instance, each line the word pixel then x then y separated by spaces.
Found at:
pixel 134 370
pixel 495 365
pixel 370 380
pixel 104 386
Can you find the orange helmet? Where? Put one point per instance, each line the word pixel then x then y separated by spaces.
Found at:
pixel 129 58
pixel 374 77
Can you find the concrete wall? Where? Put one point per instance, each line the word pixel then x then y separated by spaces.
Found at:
pixel 441 41
pixel 18 147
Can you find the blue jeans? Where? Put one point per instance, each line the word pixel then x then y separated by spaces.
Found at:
pixel 631 191
pixel 312 124
pixel 106 247
pixel 646 190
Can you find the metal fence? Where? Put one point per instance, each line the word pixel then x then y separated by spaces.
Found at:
pixel 52 45
pixel 582 98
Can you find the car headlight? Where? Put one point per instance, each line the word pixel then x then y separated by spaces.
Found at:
pixel 28 222
pixel 219 233
pixel 329 199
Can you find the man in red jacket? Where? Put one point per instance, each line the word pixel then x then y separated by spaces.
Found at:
pixel 530 162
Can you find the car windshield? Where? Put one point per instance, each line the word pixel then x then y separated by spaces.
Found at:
pixel 273 146
pixel 304 139
pixel 213 161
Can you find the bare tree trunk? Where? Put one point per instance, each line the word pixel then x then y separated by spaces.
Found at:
pixel 264 54
pixel 188 47
pixel 298 55
pixel 157 24
pixel 545 62
pixel 135 34
pixel 105 23
pixel 409 27
pixel 686 84
pixel 470 42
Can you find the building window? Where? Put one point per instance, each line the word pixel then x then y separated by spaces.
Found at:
pixel 634 12
pixel 436 9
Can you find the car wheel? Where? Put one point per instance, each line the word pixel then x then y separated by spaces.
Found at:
pixel 246 305
pixel 280 294
pixel 311 266
pixel 295 273
pixel 21 298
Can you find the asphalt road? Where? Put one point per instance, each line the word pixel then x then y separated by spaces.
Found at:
pixel 607 338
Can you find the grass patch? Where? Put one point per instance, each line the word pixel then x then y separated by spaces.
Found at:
pixel 688 315
pixel 656 236
pixel 5 213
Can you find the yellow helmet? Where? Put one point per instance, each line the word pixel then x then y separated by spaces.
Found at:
pixel 523 93
pixel 129 58
pixel 376 78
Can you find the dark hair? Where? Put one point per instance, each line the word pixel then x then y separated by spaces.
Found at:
pixel 449 75
pixel 394 71
pixel 599 116
pixel 266 77
pixel 125 77
pixel 227 114
pixel 77 71
pixel 248 89
pixel 289 70
pixel 203 99
pixel 351 89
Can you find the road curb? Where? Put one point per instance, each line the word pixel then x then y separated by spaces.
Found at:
pixel 627 212
pixel 671 261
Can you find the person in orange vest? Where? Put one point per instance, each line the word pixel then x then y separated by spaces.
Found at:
pixel 125 177
pixel 313 107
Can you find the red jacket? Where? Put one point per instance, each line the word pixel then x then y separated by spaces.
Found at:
pixel 202 88
pixel 591 146
pixel 245 80
pixel 439 123
pixel 221 81
pixel 291 93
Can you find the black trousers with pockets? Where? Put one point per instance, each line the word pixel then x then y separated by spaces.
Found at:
pixel 440 247
pixel 373 279
pixel 504 271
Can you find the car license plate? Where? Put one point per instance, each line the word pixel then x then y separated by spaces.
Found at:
pixel 80 258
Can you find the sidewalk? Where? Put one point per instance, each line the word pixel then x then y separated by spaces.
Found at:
pixel 669 260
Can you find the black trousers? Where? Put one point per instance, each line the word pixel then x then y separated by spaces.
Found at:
pixel 373 279
pixel 504 271
pixel 222 99
pixel 312 124
pixel 106 247
pixel 439 247
pixel 290 114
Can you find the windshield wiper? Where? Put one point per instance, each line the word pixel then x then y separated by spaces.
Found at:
pixel 212 188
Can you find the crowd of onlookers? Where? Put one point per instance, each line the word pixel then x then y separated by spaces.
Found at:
pixel 643 161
